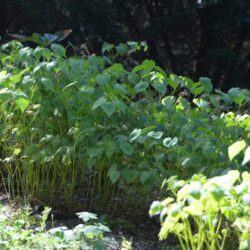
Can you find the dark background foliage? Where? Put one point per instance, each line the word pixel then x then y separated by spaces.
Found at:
pixel 187 37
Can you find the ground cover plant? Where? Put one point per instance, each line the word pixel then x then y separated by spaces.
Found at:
pixel 21 230
pixel 103 132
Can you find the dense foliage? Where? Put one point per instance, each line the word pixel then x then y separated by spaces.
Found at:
pixel 92 127
pixel 207 213
pixel 194 38
pixel 101 132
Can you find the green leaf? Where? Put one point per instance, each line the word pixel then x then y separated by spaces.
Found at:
pixel 114 174
pixel 120 105
pixel 126 148
pixel 42 52
pixel 148 65
pixel 197 90
pixel 134 134
pixel 47 83
pixel 99 102
pixel 144 176
pixel 169 142
pixel 25 53
pixel 17 151
pixel 6 94
pixel 201 103
pixel 28 81
pixel 160 87
pixel 103 79
pixel 110 149
pixel 133 78
pixel 58 50
pixel 95 151
pixel 116 69
pixel 19 223
pixel 86 216
pixel 109 108
pixel 195 190
pixel 22 103
pixel 87 90
pixel 168 101
pixel 122 49
pixel 236 148
pixel 206 84
pixel 173 81
pixel 140 87
pixel 107 47
pixel 246 156
pixel 155 208
pixel 239 99
pixel 216 192
pixel 130 175
pixel 121 88
pixel 166 141
pixel 3 76
pixel 68 86
pixel 156 135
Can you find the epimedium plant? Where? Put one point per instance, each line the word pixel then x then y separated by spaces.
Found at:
pixel 67 124
pixel 207 213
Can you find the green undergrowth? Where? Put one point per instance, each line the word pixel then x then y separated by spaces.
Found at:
pixel 104 134
pixel 19 229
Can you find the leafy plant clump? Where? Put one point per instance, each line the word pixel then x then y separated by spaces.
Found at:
pixel 207 213
pixel 97 131
pixel 20 230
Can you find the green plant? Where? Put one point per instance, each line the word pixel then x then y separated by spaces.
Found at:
pixel 21 230
pixel 207 213
pixel 94 129
pixel 43 40
pixel 236 148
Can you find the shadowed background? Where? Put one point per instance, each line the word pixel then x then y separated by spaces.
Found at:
pixel 187 37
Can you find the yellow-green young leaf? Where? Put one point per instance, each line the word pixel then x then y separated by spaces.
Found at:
pixel 236 148
pixel 22 103
pixel 17 151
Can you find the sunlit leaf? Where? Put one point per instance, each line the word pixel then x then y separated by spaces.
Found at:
pixel 134 134
pixel 246 156
pixel 86 216
pixel 22 103
pixel 236 148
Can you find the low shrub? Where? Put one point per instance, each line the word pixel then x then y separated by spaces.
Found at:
pixel 207 213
